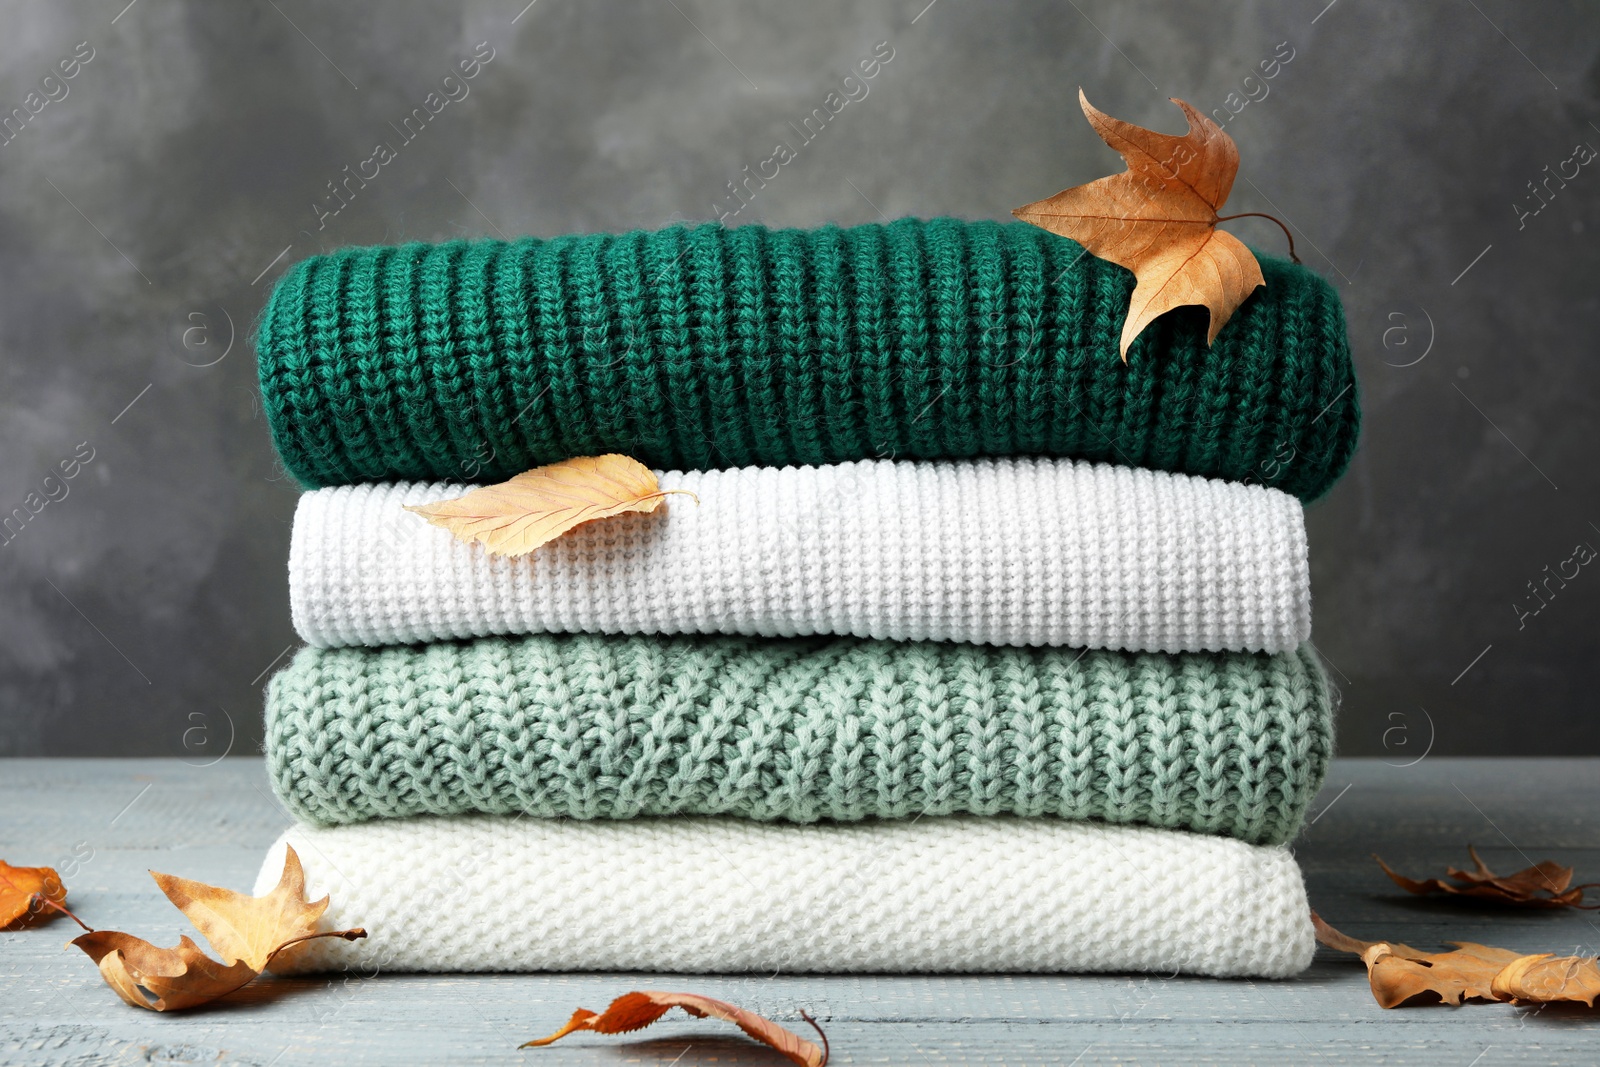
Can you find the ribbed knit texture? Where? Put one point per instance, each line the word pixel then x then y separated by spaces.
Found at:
pixel 1012 551
pixel 595 727
pixel 698 895
pixel 707 347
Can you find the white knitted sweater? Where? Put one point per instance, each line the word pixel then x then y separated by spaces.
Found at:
pixel 1006 551
pixel 710 894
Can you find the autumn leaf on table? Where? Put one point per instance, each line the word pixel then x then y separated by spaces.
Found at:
pixel 537 506
pixel 247 932
pixel 1400 974
pixel 1544 885
pixel 26 892
pixel 1159 219
pixel 1547 979
pixel 635 1011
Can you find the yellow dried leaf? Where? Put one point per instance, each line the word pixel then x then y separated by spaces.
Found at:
pixel 246 928
pixel 1159 219
pixel 515 517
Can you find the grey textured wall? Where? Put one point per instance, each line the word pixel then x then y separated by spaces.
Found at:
pixel 145 213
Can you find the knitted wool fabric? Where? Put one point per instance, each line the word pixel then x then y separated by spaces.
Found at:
pixel 597 727
pixel 704 347
pixel 698 895
pixel 1014 551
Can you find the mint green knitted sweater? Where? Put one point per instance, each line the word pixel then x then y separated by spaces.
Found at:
pixel 704 347
pixel 589 726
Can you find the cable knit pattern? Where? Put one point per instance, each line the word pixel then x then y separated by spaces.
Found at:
pixel 595 727
pixel 708 347
pixel 709 895
pixel 1014 551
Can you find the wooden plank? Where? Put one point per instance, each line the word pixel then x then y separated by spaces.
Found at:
pixel 109 820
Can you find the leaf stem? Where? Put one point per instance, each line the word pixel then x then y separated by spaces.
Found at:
pixel 1264 215
pixel 63 909
pixel 826 1052
pixel 355 933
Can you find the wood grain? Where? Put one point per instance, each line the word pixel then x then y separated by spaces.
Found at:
pixel 116 818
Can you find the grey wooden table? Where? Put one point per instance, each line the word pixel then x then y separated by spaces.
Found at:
pixel 110 820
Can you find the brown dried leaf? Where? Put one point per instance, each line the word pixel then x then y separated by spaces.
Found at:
pixel 18 888
pixel 1340 942
pixel 1544 885
pixel 1159 219
pixel 1465 974
pixel 161 979
pixel 1400 974
pixel 634 1011
pixel 246 931
pixel 537 506
pixel 1546 979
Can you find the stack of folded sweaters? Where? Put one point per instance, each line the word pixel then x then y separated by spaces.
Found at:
pixel 979 650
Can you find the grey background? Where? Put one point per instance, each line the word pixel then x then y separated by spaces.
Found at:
pixel 141 214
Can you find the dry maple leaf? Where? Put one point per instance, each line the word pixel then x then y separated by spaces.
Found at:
pixel 535 507
pixel 247 932
pixel 1544 885
pixel 635 1011
pixel 1545 979
pixel 1159 219
pixel 241 927
pixel 21 886
pixel 1400 974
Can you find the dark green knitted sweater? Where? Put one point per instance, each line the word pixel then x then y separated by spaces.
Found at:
pixel 705 347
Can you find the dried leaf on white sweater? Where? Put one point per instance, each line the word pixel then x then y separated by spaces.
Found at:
pixel 537 506
pixel 247 932
pixel 635 1011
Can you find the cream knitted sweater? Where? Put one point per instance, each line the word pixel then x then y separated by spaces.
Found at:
pixel 710 894
pixel 1007 551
